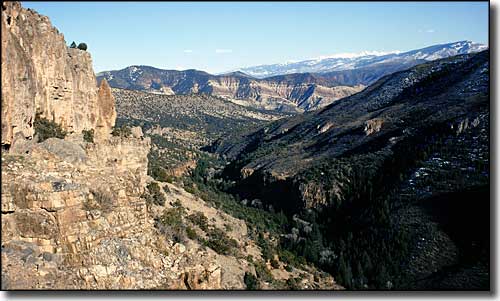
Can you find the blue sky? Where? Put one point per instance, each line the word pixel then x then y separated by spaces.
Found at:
pixel 221 36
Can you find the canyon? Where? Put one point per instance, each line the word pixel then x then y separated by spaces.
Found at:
pixel 337 178
pixel 77 210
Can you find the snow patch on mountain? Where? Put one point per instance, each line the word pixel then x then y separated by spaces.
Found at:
pixel 349 61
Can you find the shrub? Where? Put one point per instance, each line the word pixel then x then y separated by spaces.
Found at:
pixel 267 250
pixel 251 281
pixel 263 272
pixel 191 233
pixel 190 189
pixel 166 189
pixel 88 135
pixel 292 284
pixel 123 131
pixel 104 199
pixel 170 223
pixel 199 219
pixel 228 227
pixel 177 204
pixel 154 194
pixel 89 205
pixel 46 129
pixel 82 46
pixel 157 172
pixel 73 45
pixel 220 242
pixel 290 258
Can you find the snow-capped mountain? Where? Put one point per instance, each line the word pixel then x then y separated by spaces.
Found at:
pixel 350 61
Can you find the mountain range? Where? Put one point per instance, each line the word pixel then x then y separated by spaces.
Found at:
pixel 294 87
pixel 291 94
pixel 351 61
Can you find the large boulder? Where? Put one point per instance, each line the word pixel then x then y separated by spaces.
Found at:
pixel 66 150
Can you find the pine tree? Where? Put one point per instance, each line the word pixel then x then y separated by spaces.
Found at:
pixel 360 276
pixel 366 263
pixel 82 46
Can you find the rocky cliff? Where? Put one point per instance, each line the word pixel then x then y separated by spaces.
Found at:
pixel 40 74
pixel 77 213
pixel 74 216
pixel 294 94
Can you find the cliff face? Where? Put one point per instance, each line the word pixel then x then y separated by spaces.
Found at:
pixel 78 214
pixel 272 94
pixel 40 74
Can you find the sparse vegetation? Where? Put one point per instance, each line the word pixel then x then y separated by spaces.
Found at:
pixel 88 135
pixel 262 272
pixel 220 242
pixel 103 199
pixel 46 129
pixel 250 281
pixel 123 131
pixel 171 224
pixel 199 219
pixel 191 233
pixel 154 194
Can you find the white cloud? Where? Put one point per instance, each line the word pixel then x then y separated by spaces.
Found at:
pixel 427 30
pixel 188 51
pixel 223 50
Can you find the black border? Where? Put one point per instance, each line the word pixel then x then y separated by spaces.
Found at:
pixel 224 294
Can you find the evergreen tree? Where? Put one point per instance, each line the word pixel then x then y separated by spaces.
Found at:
pixel 82 46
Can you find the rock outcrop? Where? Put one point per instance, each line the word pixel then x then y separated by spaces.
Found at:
pixel 68 209
pixel 84 224
pixel 40 74
pixel 77 214
pixel 107 111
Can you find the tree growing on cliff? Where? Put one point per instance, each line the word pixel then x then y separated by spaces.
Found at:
pixel 82 46
pixel 88 135
pixel 154 194
pixel 73 45
pixel 251 281
pixel 45 129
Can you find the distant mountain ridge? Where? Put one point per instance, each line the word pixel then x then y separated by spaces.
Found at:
pixel 366 59
pixel 293 87
pixel 293 94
